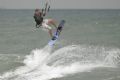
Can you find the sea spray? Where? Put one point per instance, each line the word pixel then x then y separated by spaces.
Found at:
pixel 85 54
pixel 32 61
pixel 37 57
pixel 41 64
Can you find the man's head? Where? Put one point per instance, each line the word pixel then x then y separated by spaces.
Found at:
pixel 36 10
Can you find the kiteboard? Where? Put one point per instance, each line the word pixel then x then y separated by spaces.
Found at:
pixel 57 33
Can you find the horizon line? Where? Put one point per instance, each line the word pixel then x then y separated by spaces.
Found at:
pixel 63 8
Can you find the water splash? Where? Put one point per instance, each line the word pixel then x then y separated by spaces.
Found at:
pixel 42 64
pixel 85 54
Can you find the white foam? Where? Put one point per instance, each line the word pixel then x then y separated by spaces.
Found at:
pixel 37 68
pixel 49 72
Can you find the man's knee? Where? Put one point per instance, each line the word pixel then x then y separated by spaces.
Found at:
pixel 51 21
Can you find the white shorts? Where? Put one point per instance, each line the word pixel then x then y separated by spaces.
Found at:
pixel 45 25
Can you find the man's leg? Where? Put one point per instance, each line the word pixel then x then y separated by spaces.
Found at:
pixel 46 25
pixel 50 32
pixel 52 22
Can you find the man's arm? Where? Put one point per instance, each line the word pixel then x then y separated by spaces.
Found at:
pixel 47 9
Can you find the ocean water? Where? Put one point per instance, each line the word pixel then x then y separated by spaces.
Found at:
pixel 87 49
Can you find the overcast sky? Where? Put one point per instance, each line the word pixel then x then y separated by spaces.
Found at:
pixel 61 4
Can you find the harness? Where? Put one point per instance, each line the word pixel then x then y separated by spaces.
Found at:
pixel 38 20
